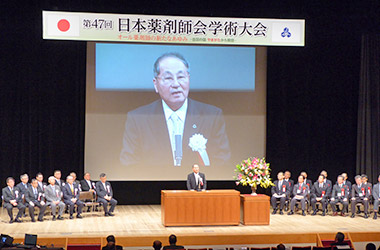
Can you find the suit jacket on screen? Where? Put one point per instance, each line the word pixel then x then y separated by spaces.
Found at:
pixel 146 138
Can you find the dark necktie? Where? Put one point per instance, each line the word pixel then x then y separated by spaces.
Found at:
pixel 35 193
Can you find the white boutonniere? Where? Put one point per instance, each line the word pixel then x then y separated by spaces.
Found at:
pixel 197 143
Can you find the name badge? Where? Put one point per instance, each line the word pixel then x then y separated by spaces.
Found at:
pixel 339 194
pixel 360 194
pixel 298 191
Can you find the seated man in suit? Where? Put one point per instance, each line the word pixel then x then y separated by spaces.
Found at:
pixel 111 244
pixel 173 243
pixel 196 181
pixel 74 175
pixel 71 197
pixel 320 192
pixel 339 195
pixel 22 187
pixel 306 181
pixel 300 192
pixel 174 130
pixel 88 185
pixel 53 195
pixel 12 198
pixel 58 181
pixel 287 177
pixel 376 198
pixel 280 192
pixel 359 194
pixel 40 179
pixel 367 184
pixel 34 198
pixel 105 195
pixel 347 182
pixel 327 181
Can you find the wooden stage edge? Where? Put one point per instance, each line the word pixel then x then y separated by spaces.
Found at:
pixel 138 226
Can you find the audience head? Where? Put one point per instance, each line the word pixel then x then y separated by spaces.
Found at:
pixel 24 178
pixel 70 179
pixel 370 246
pixel 111 240
pixel 172 239
pixel 321 178
pixel 339 237
pixel 10 181
pixel 281 247
pixel 378 178
pixel 358 179
pixel 103 177
pixel 157 245
pixel 196 168
pixel 301 179
pixel 57 174
pixel 39 177
pixel 51 180
pixel 87 176
pixel 280 176
pixel 287 174
pixel 340 179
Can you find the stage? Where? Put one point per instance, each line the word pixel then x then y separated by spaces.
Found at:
pixel 138 226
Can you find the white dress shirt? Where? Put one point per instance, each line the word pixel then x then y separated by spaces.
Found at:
pixel 181 113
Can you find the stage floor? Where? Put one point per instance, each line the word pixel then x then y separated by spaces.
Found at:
pixel 145 220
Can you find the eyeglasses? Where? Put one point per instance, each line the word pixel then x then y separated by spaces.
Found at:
pixel 170 79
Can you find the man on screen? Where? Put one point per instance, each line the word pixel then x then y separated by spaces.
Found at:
pixel 174 130
pixel 196 181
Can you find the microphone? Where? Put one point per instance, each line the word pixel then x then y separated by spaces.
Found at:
pixel 178 150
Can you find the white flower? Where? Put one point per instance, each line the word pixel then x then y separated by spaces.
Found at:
pixel 197 142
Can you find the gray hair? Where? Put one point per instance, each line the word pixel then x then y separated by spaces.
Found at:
pixel 156 67
pixel 24 176
pixel 358 177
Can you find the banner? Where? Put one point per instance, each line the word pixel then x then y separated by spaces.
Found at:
pixel 172 29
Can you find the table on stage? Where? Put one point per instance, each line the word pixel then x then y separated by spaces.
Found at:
pixel 191 208
pixel 255 209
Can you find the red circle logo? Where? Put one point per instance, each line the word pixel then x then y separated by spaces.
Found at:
pixel 63 25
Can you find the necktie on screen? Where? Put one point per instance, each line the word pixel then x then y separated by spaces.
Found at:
pixel 177 138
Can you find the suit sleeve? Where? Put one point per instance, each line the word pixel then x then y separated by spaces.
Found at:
pixel 100 190
pixel 294 190
pixel 223 153
pixel 131 142
pixel 313 192
pixel 6 196
pixel 28 197
pixel 333 192
pixel 188 184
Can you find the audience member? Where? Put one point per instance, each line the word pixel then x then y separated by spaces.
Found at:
pixel 339 240
pixel 173 243
pixel 157 245
pixel 370 246
pixel 280 247
pixel 111 244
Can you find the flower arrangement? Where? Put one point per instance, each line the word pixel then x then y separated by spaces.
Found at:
pixel 253 171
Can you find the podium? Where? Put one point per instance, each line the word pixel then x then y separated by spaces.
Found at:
pixel 192 208
pixel 255 209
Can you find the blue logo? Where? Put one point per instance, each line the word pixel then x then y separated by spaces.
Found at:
pixel 286 33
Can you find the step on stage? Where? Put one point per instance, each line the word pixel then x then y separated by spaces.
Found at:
pixel 138 226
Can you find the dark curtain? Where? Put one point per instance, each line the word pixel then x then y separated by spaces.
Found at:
pixel 42 97
pixel 368 141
